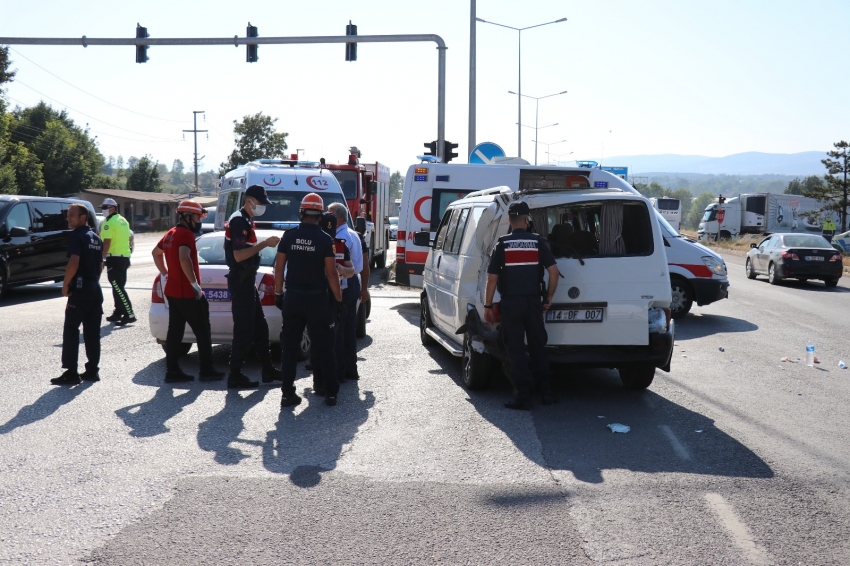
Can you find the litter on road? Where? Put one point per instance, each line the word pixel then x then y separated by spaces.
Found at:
pixel 721 349
pixel 617 427
pixel 841 364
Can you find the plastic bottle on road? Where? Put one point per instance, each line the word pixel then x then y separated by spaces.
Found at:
pixel 810 353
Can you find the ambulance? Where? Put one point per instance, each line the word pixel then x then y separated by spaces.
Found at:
pixel 286 182
pixel 697 274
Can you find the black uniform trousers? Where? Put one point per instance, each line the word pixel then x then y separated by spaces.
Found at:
pixel 316 355
pixel 346 337
pixel 249 322
pixel 195 313
pixel 522 319
pixel 116 274
pixel 310 309
pixel 84 307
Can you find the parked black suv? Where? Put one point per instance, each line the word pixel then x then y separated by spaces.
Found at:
pixel 34 239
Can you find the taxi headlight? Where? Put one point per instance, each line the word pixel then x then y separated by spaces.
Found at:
pixel 717 267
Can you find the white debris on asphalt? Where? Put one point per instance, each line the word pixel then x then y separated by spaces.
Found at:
pixel 617 427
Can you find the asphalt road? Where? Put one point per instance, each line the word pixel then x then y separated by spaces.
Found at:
pixel 732 458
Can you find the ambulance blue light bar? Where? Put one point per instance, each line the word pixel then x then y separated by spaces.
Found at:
pixel 420 177
pixel 442 178
pixel 600 184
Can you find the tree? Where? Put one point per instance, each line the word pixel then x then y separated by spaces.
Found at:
pixel 6 76
pixel 108 166
pixel 144 176
pixel 396 185
pixel 107 182
pixel 177 169
pixel 69 157
pixel 28 172
pixel 256 138
pixel 132 161
pixel 697 209
pixel 833 194
pixel 119 165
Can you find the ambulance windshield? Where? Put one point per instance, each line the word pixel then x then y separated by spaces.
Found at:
pixel 285 205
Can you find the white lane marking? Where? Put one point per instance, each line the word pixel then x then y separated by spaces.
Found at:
pixel 753 552
pixel 483 157
pixel 677 446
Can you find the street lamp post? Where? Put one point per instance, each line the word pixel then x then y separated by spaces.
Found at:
pixel 557 156
pixel 519 71
pixel 536 107
pixel 546 144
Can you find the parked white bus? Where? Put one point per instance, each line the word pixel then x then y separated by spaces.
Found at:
pixel 670 209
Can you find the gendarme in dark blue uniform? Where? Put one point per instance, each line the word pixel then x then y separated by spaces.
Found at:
pixel 518 261
pixel 85 302
pixel 303 253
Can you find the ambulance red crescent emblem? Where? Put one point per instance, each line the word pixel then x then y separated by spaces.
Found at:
pixel 417 210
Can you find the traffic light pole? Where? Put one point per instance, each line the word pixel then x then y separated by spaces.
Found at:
pixel 237 41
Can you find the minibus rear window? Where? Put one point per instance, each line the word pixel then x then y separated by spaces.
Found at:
pixel 614 228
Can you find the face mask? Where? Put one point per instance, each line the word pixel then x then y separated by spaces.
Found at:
pixel 259 210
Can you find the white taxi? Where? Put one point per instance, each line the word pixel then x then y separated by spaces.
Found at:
pixel 213 269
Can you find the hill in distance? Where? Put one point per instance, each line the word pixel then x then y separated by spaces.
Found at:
pixel 749 163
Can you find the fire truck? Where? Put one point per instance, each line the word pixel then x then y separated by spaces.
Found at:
pixel 366 187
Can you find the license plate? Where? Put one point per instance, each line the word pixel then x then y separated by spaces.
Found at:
pixel 217 295
pixel 814 258
pixel 574 315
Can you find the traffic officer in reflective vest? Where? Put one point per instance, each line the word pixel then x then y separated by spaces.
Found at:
pixel 829 228
pixel 115 233
pixel 306 257
pixel 242 254
pixel 85 299
pixel 516 268
pixel 345 269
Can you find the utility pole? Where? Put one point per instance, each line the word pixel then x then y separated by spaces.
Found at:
pixel 472 85
pixel 195 131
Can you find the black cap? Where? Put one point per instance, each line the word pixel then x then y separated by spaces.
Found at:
pixel 518 209
pixel 328 224
pixel 258 192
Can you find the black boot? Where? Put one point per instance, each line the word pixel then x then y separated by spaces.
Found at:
pixel 89 375
pixel 238 380
pixel 69 377
pixel 518 405
pixel 271 373
pixel 178 376
pixel 125 320
pixel 290 400
pixel 114 317
pixel 210 374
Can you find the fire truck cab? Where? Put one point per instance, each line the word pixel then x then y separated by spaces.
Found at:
pixel 367 191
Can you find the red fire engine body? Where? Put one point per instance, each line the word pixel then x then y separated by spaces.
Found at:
pixel 367 190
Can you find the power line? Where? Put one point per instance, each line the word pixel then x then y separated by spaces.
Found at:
pixel 92 95
pixel 90 116
pixel 97 131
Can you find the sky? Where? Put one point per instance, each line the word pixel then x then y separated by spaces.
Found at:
pixel 643 77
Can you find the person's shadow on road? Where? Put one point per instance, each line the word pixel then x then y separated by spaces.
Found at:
pixel 44 406
pixel 149 418
pixel 308 443
pixel 220 430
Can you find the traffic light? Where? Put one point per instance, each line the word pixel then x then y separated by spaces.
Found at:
pixel 448 154
pixel 351 47
pixel 252 56
pixel 141 50
pixel 432 148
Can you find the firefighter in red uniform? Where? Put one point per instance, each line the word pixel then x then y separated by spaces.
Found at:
pixel 516 267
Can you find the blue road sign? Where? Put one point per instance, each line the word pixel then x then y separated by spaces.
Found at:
pixel 622 172
pixel 486 153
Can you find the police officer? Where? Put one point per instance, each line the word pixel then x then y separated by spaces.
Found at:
pixel 346 341
pixel 516 268
pixel 176 258
pixel 306 256
pixel 85 299
pixel 242 254
pixel 115 233
pixel 345 269
pixel 829 228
